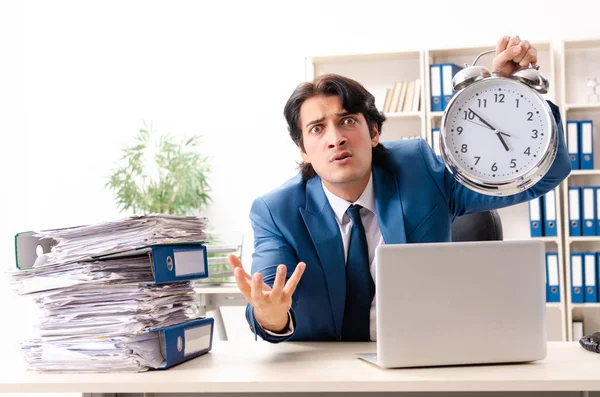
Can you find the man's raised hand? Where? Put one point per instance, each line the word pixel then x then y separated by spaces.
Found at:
pixel 271 305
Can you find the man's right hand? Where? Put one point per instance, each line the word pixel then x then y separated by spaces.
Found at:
pixel 271 305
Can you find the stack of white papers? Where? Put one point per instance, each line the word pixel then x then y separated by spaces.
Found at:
pixel 93 355
pixel 96 240
pixel 95 315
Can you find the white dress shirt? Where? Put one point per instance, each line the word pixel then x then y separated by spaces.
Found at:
pixel 373 233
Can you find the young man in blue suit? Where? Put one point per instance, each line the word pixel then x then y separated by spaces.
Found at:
pixel 319 231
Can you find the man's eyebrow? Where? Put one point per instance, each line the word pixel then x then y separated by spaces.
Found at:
pixel 315 121
pixel 342 114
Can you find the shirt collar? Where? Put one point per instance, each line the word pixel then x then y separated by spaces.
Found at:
pixel 339 205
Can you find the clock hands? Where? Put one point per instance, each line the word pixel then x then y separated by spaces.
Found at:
pixel 482 120
pixel 498 133
pixel 502 140
pixel 481 125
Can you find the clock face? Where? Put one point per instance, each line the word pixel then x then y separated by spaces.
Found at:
pixel 497 130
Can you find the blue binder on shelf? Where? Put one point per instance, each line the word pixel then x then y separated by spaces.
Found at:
pixel 536 224
pixel 436 87
pixel 574 211
pixel 185 341
pixel 598 274
pixel 597 211
pixel 588 212
pixel 577 291
pixel 549 214
pixel 591 292
pixel 448 72
pixel 573 139
pixel 552 278
pixel 169 262
pixel 586 149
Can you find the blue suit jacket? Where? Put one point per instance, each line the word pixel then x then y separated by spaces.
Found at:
pixel 416 198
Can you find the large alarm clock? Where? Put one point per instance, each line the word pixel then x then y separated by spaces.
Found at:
pixel 498 135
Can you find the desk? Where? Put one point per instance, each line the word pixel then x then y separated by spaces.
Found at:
pixel 261 367
pixel 212 298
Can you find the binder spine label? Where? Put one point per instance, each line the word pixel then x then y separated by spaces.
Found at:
pixel 553 270
pixel 574 204
pixel 550 205
pixel 196 339
pixel 189 262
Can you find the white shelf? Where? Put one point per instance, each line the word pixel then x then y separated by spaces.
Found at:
pixel 582 106
pixel 433 115
pixel 583 239
pixel 554 240
pixel 554 305
pixel 366 57
pixel 476 50
pixel 584 172
pixel 582 44
pixel 590 305
pixel 404 115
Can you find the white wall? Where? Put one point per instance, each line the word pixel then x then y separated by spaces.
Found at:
pixel 78 77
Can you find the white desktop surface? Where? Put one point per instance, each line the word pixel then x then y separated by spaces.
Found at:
pixel 318 367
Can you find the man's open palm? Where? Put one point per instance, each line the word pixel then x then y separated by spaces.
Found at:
pixel 271 305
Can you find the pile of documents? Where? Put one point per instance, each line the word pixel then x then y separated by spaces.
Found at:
pixel 104 305
pixel 89 241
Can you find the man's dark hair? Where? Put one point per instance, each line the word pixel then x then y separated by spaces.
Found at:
pixel 354 98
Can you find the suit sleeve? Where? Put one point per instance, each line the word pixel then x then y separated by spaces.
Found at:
pixel 270 250
pixel 462 200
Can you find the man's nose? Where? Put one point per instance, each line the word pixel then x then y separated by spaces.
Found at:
pixel 335 137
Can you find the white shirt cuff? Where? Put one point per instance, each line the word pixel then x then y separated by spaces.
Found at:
pixel 285 332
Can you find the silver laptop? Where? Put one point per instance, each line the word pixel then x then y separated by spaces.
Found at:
pixel 460 303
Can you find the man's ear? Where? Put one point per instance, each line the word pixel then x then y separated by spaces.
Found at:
pixel 303 154
pixel 375 137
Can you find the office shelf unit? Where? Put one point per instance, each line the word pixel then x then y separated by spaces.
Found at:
pixel 580 61
pixel 377 72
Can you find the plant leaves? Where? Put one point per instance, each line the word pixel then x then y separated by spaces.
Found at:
pixel 181 187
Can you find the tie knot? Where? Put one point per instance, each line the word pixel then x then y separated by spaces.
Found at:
pixel 354 213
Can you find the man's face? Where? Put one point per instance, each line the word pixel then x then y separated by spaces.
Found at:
pixel 336 143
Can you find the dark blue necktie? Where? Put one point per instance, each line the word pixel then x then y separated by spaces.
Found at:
pixel 360 287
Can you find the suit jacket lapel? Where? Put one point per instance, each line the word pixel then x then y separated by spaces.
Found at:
pixel 325 234
pixel 389 205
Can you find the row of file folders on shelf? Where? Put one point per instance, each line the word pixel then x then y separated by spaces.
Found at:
pixel 585 268
pixel 580 144
pixel 584 210
pixel 542 215
pixel 584 276
pixel 441 84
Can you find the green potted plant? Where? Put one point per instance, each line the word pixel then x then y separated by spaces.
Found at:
pixel 178 184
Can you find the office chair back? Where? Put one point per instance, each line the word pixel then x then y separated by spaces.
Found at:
pixel 481 226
